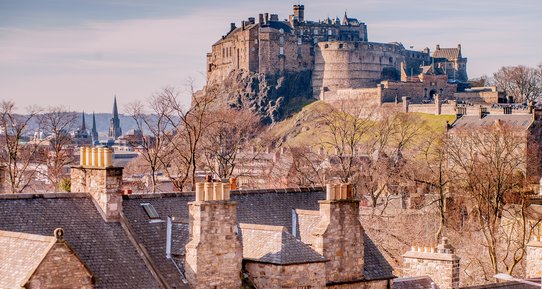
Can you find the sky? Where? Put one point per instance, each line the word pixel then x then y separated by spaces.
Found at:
pixel 80 53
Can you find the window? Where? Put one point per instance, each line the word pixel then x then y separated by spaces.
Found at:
pixel 281 50
pixel 281 39
pixel 340 45
pixel 151 212
pixel 299 41
pixel 281 31
pixel 315 31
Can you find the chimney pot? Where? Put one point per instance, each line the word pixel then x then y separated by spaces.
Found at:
pixel 208 188
pixel 218 195
pixel 330 192
pixel 200 191
pixel 233 183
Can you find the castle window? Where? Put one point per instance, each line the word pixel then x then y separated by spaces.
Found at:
pixel 340 45
pixel 299 41
pixel 330 32
pixel 281 50
pixel 315 31
pixel 301 32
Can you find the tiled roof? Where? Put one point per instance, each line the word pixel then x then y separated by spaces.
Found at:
pixel 20 255
pixel 421 282
pixel 275 245
pixel 103 247
pixel 264 207
pixel 447 53
pixel 521 121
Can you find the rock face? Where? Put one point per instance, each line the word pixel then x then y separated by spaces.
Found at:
pixel 272 96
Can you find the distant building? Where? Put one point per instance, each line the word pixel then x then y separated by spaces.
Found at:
pixel 114 124
pixel 94 131
pixel 81 136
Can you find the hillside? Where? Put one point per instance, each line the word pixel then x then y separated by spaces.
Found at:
pixel 305 128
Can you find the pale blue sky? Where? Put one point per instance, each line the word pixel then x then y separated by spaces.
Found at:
pixel 79 53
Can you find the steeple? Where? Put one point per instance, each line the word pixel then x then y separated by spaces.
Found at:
pixel 83 124
pixel 114 124
pixel 94 131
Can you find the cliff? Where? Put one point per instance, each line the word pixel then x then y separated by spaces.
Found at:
pixel 272 96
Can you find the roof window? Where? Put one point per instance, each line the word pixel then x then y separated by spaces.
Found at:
pixel 151 212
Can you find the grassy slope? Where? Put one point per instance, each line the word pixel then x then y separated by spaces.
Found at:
pixel 304 128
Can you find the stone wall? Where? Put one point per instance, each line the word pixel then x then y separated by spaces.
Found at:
pixel 441 264
pixel 341 65
pixel 376 284
pixel 214 253
pixel 339 237
pixel 534 259
pixel 270 276
pixel 103 184
pixel 480 97
pixel 61 268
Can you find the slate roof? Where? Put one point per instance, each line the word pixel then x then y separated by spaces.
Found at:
pixel 520 121
pixel 421 282
pixel 264 207
pixel 20 255
pixel 447 53
pixel 275 245
pixel 103 247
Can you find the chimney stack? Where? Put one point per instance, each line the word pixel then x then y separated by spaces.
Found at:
pixel 214 253
pixel 97 176
pixel 299 13
pixel 260 18
pixel 266 18
pixel 339 236
pixel 232 26
pixel 440 263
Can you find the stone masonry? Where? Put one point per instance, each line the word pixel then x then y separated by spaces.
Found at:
pixel 339 236
pixel 214 252
pixel 440 263
pixel 534 258
pixel 61 268
pixel 271 276
pixel 103 184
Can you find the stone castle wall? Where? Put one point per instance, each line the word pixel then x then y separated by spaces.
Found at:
pixel 341 65
pixel 214 253
pixel 61 269
pixel 270 276
pixel 483 97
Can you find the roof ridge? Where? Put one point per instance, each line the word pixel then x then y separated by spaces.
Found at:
pixel 43 196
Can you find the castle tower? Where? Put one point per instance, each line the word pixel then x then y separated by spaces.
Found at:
pixel 214 253
pixel 299 13
pixel 339 236
pixel 114 124
pixel 94 131
pixel 441 264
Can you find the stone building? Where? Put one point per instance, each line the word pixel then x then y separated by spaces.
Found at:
pixel 114 124
pixel 336 52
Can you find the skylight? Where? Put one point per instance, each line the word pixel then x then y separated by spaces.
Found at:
pixel 151 212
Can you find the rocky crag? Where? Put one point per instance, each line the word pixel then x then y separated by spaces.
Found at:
pixel 273 97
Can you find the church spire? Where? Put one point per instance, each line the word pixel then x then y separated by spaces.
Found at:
pixel 94 131
pixel 83 123
pixel 114 124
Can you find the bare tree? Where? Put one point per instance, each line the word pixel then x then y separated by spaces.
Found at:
pixel 184 143
pixel 57 122
pixel 522 82
pixel 156 123
pixel 230 132
pixel 15 155
pixel 490 165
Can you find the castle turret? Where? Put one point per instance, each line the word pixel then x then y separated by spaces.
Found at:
pixel 214 253
pixel 114 124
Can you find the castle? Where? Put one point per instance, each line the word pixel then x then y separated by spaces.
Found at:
pixel 336 52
